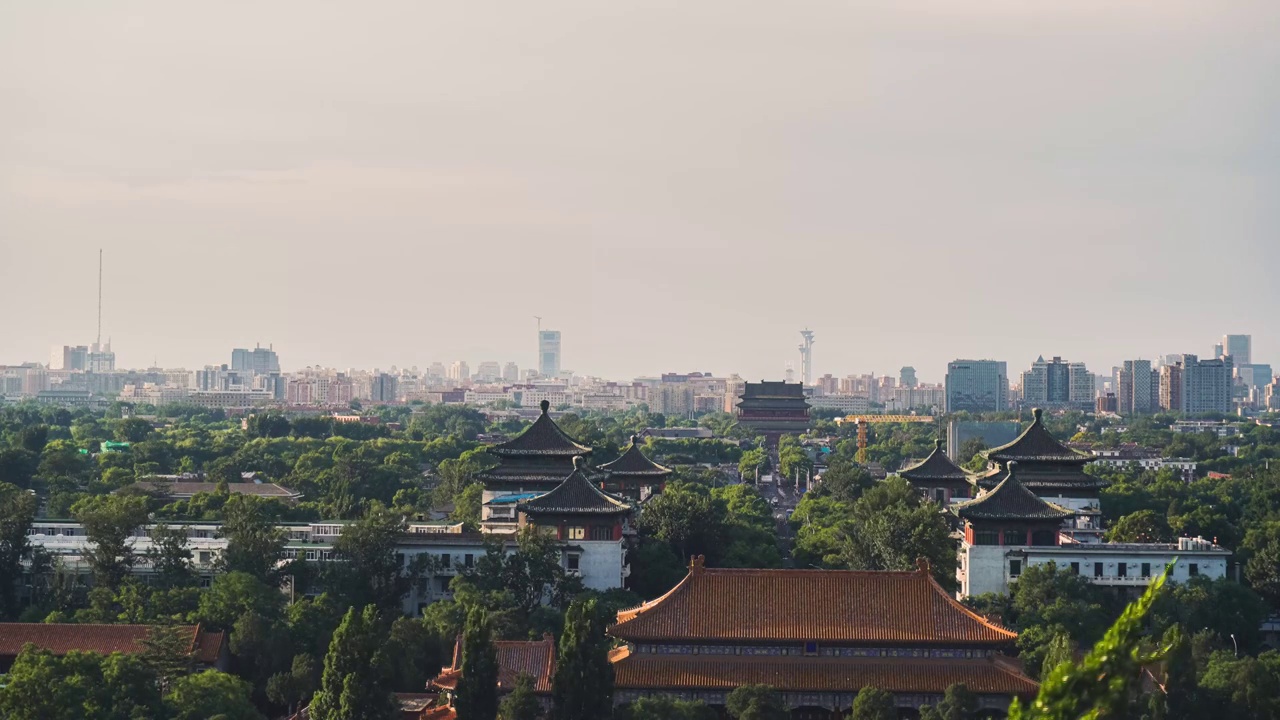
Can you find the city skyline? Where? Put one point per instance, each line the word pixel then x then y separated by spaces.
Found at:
pixel 693 205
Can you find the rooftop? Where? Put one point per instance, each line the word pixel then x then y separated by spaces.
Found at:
pixel 543 437
pixel 535 658
pixel 935 467
pixel 1036 444
pixel 575 496
pixel 836 606
pixel 634 462
pixel 183 488
pixel 1009 500
pixel 61 639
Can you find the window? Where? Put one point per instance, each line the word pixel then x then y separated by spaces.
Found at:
pixel 444 559
pixel 572 561
pixel 1044 537
pixel 1075 568
pixel 1015 568
pixel 811 649
pixel 311 555
pixel 1146 570
pixel 1097 569
pixel 601 532
pixel 469 560
pixel 443 584
pixel 577 533
pixel 1015 537
pixel 940 495
pixel 986 537
pixel 1122 570
pixel 1193 569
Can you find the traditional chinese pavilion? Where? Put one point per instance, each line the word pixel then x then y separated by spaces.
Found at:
pixel 633 475
pixel 940 479
pixel 1052 471
pixel 1005 517
pixel 817 636
pixel 773 409
pixel 534 462
pixel 589 522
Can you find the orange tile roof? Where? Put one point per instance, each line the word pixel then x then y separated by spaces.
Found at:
pixel 852 607
pixel 535 658
pixel 61 639
pixel 643 671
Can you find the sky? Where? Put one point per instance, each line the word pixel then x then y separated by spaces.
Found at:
pixel 675 186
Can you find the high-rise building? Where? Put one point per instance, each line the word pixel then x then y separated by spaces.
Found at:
pixel 100 358
pixel 511 373
pixel 488 371
pixel 1272 397
pixel 806 356
pixel 384 388
pixel 1207 385
pixel 549 353
pixel 69 357
pixel 1057 383
pixel 907 377
pixel 459 371
pixel 828 385
pixel 1171 386
pixel 976 386
pixel 1133 396
pixel 259 360
pixel 1239 347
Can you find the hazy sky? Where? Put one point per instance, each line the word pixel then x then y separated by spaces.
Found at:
pixel 674 185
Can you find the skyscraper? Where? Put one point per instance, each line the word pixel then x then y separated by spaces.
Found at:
pixel 1171 386
pixel 1133 397
pixel 459 371
pixel 384 388
pixel 259 360
pixel 907 377
pixel 1207 385
pixel 977 386
pixel 1239 347
pixel 549 353
pixel 511 373
pixel 1057 383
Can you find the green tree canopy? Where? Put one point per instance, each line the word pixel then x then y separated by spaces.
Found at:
pixel 583 684
pixel 756 702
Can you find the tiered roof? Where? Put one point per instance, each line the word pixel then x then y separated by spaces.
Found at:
pixel 535 658
pixel 542 438
pixel 634 464
pixel 937 467
pixel 541 456
pixel 1036 444
pixel 1047 466
pixel 577 495
pixel 1010 500
pixel 829 606
pixel 61 639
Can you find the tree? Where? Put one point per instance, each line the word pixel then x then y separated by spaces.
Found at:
pixel 292 690
pixel 583 685
pixel 751 460
pixel 520 703
pixel 477 693
pixel 232 595
pixel 872 703
pixel 41 685
pixel 891 526
pixel 684 517
pixel 110 522
pixel 1262 568
pixel 1048 601
pixel 254 542
pixel 354 683
pixel 1246 688
pixel 756 702
pixel 168 653
pixel 132 430
pixel 267 425
pixel 17 510
pixel 371 575
pixel 957 704
pixel 170 556
pixel 417 652
pixel 664 707
pixel 208 695
pixel 1061 649
pixel 1143 526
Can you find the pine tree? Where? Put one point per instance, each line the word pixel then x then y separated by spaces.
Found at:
pixel 583 686
pixel 872 703
pixel 957 704
pixel 521 703
pixel 354 684
pixel 477 694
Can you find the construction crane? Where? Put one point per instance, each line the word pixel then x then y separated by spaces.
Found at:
pixel 864 420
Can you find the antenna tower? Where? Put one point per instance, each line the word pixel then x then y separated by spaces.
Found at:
pixel 98 341
pixel 806 357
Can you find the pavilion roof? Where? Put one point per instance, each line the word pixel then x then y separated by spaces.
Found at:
pixel 935 467
pixel 1036 444
pixel 577 495
pixel 104 639
pixel 543 437
pixel 834 606
pixel 1010 500
pixel 635 462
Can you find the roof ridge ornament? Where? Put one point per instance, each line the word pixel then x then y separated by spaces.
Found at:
pixel 937 443
pixel 545 405
pixel 1037 414
pixel 697 564
pixel 922 564
pixel 579 463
